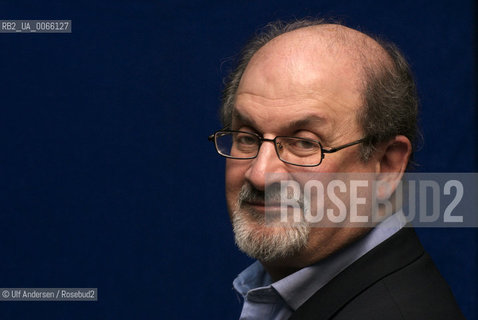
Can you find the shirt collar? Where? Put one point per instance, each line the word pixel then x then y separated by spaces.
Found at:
pixel 253 277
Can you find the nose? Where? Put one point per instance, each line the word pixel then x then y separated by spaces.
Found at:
pixel 266 162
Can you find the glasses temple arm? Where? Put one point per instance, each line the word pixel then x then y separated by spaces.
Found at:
pixel 332 150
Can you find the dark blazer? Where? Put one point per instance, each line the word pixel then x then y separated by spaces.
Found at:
pixel 395 280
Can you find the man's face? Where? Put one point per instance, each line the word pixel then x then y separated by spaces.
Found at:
pixel 292 87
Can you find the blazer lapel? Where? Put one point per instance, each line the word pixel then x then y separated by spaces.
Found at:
pixel 393 254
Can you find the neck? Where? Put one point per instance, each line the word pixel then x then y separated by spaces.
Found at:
pixel 281 268
pixel 277 273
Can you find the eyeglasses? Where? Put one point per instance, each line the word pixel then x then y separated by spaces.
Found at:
pixel 243 145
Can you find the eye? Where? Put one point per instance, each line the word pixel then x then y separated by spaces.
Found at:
pixel 305 144
pixel 246 139
pixel 301 147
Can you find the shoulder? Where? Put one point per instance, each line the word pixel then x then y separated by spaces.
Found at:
pixel 395 280
pixel 417 291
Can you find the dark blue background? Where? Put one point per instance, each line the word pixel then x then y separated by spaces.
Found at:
pixel 107 178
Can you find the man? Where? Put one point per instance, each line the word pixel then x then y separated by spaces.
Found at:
pixel 312 98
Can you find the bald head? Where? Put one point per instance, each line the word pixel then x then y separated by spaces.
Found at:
pixel 326 54
pixel 346 44
pixel 323 53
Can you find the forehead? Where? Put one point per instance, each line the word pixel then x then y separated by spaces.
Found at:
pixel 299 74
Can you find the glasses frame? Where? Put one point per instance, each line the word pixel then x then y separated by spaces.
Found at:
pixel 213 138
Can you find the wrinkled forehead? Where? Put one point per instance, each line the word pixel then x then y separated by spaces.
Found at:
pixel 298 73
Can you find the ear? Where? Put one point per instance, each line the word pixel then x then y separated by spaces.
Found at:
pixel 395 155
pixel 392 164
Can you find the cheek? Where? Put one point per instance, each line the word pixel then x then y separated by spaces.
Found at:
pixel 234 182
pixel 343 161
pixel 234 174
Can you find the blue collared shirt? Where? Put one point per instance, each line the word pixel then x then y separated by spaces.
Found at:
pixel 264 299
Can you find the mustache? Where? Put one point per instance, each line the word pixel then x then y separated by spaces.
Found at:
pixel 272 194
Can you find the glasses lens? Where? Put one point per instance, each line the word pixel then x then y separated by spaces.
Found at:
pixel 299 151
pixel 241 145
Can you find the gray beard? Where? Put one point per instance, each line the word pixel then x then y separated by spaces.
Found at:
pixel 263 241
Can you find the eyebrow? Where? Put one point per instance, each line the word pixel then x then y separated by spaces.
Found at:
pixel 243 118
